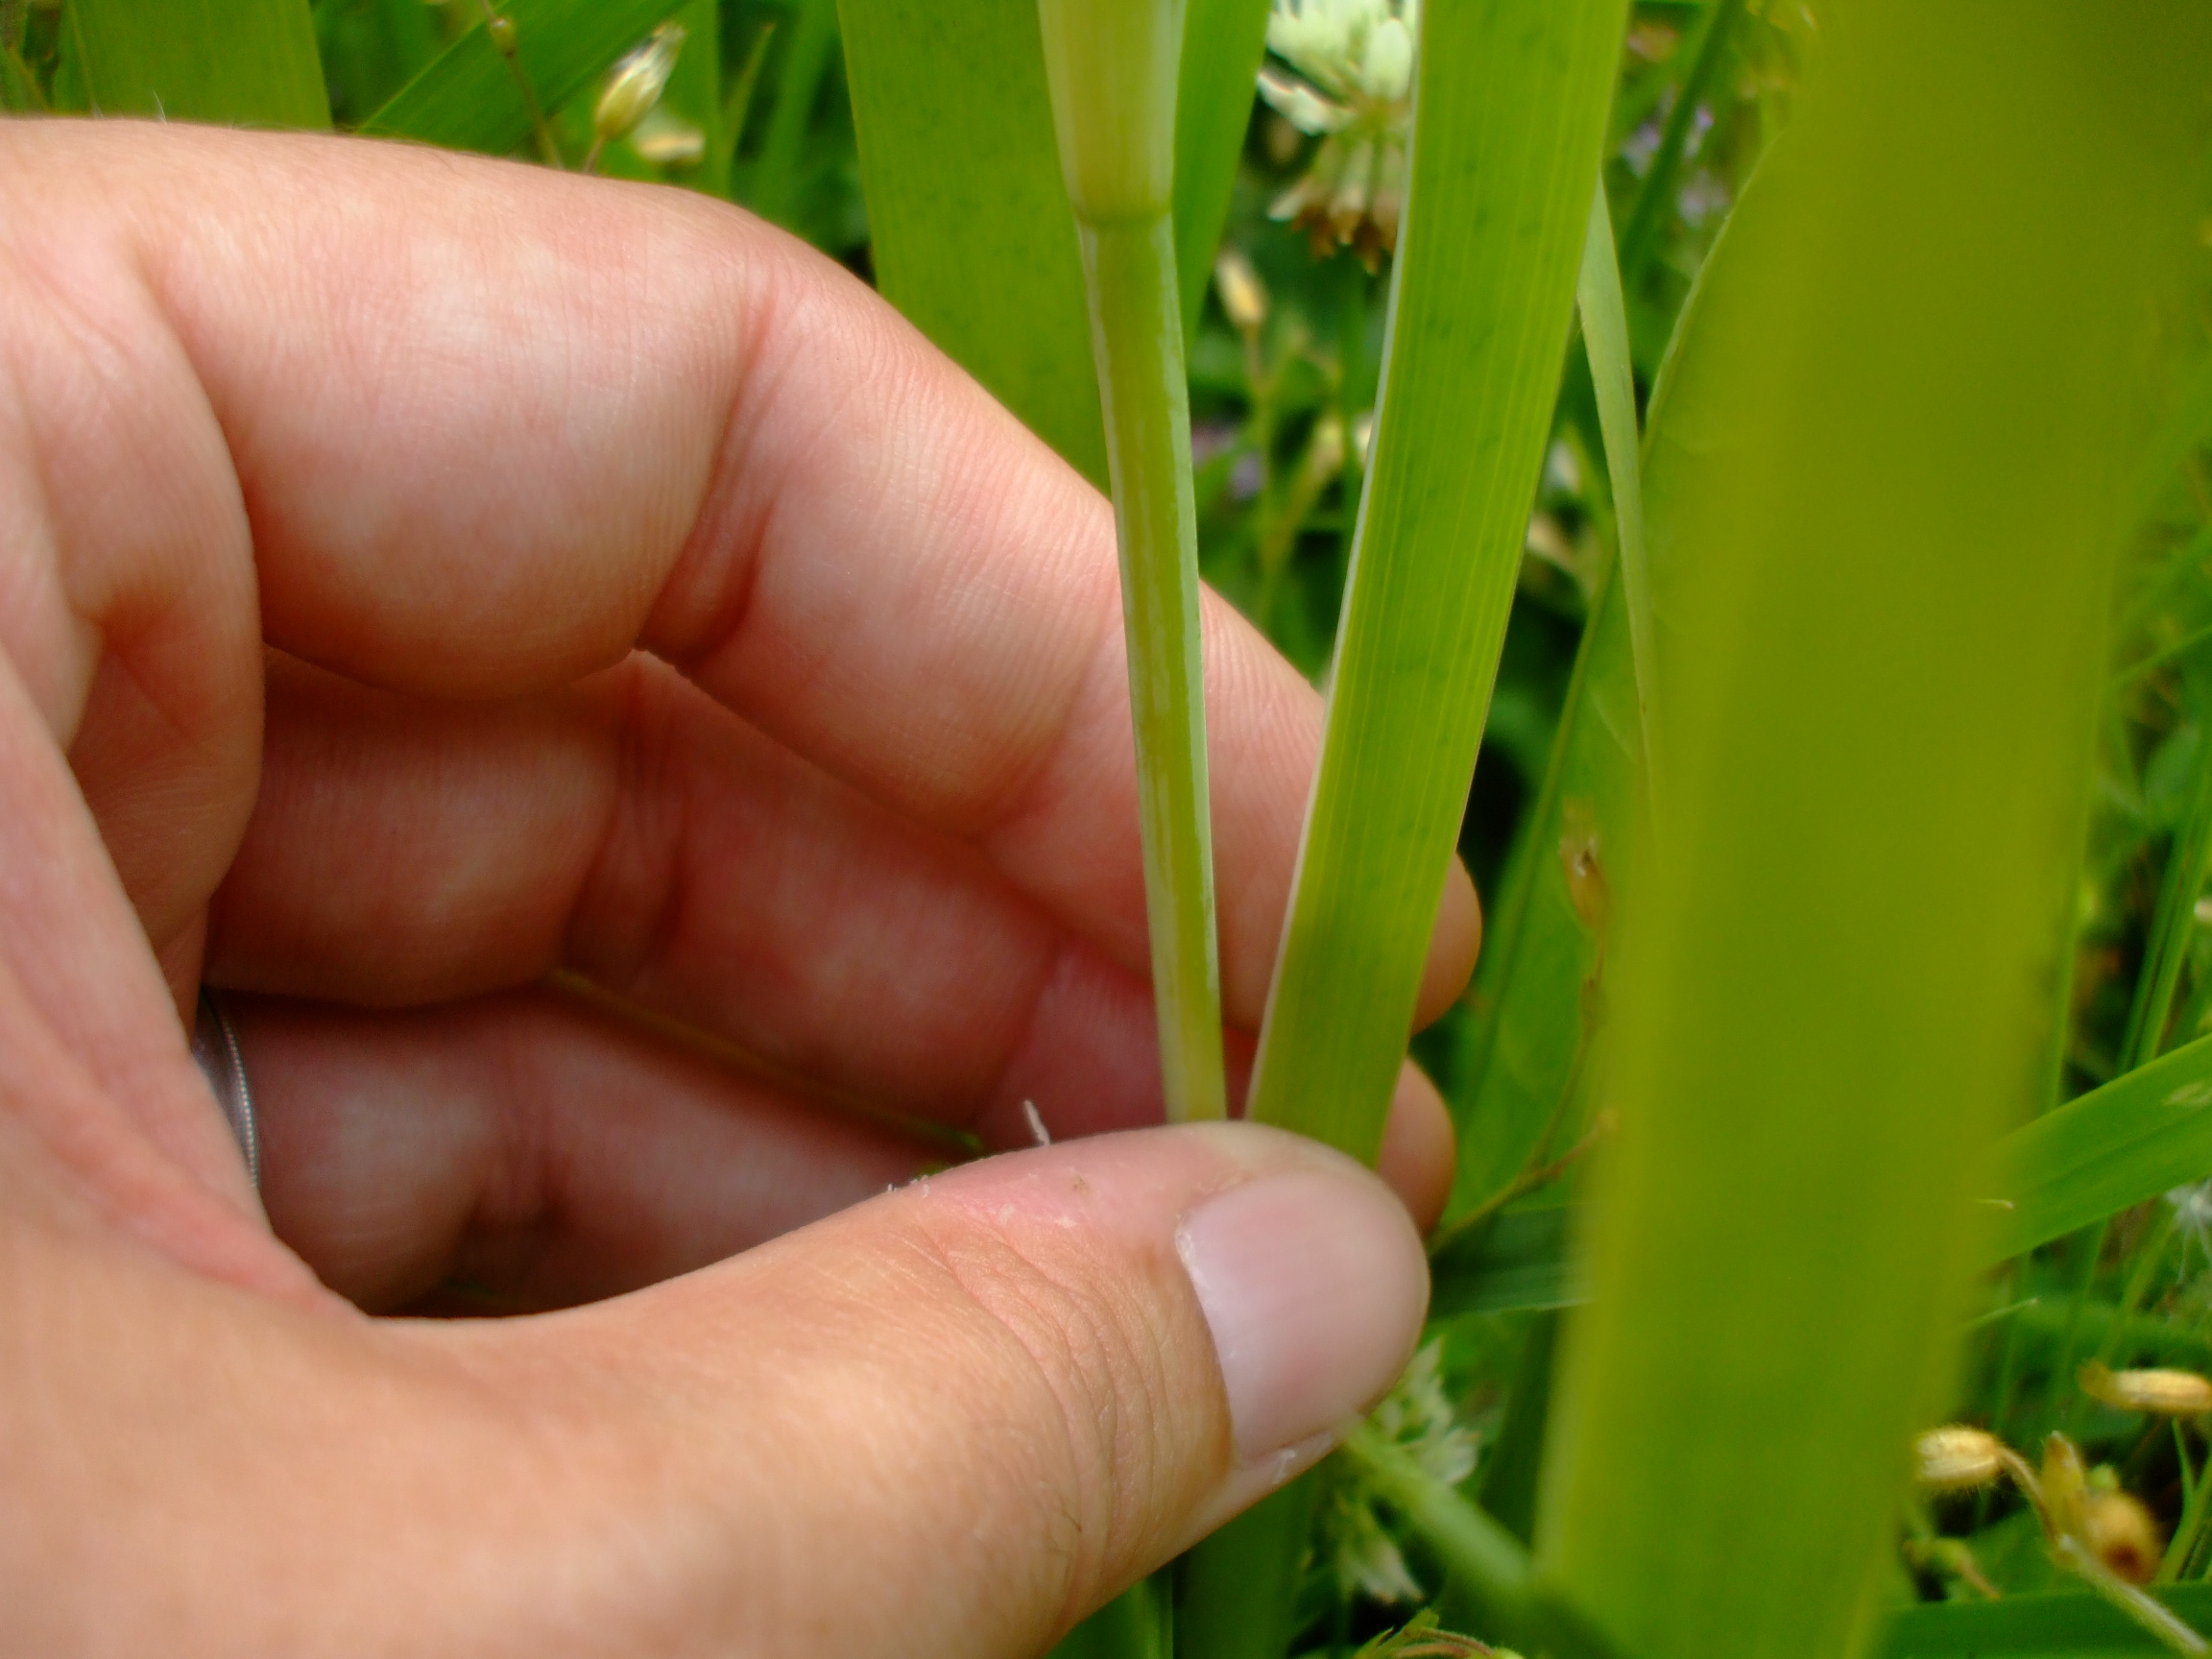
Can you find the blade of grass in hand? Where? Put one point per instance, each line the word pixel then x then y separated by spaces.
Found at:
pixel 248 63
pixel 1888 653
pixel 1509 115
pixel 969 222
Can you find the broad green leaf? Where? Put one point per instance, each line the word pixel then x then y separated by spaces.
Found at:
pixel 371 49
pixel 1223 41
pixel 2061 1626
pixel 1910 404
pixel 469 99
pixel 247 63
pixel 2139 1135
pixel 1511 115
pixel 971 230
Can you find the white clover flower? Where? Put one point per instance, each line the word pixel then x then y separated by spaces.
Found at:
pixel 1417 1416
pixel 1353 90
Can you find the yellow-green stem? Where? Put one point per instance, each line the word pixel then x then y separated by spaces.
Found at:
pixel 1137 338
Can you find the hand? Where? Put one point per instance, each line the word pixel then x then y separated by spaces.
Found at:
pixel 425 577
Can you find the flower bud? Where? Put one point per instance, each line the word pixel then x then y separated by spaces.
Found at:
pixel 635 85
pixel 2118 1531
pixel 1243 295
pixel 2167 1393
pixel 1956 1458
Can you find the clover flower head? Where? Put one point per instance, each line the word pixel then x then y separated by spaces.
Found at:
pixel 1418 1417
pixel 1346 76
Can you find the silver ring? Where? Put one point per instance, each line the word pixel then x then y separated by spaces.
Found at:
pixel 215 1046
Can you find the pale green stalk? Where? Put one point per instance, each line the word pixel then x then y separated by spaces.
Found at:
pixel 1112 68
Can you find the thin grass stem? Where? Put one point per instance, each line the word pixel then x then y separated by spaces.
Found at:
pixel 1136 337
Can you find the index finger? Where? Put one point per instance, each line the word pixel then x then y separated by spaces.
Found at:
pixel 493 428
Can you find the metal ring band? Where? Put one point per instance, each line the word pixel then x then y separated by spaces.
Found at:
pixel 215 1046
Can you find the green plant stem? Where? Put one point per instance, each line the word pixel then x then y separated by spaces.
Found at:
pixel 1485 1562
pixel 502 33
pixel 1137 338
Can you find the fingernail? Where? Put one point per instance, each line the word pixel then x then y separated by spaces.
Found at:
pixel 1313 1285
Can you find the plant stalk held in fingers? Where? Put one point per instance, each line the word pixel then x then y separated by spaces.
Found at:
pixel 1112 67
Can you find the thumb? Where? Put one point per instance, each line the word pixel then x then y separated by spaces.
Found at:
pixel 954 1420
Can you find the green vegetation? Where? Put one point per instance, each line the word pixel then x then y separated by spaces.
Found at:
pixel 1845 1071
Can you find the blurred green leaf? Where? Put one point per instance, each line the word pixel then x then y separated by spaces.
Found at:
pixel 1902 423
pixel 972 238
pixel 1512 114
pixel 468 99
pixel 245 63
pixel 2061 1626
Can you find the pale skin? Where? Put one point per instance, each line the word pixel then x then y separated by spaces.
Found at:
pixel 420 577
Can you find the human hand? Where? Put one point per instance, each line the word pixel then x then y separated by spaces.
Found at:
pixel 425 576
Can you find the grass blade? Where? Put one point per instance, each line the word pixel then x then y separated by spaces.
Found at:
pixel 1606 338
pixel 1655 197
pixel 970 226
pixel 2139 1135
pixel 469 99
pixel 808 57
pixel 1223 41
pixel 1909 401
pixel 1510 113
pixel 251 62
pixel 1518 1259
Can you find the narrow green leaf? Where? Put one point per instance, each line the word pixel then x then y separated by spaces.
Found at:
pixel 1537 1005
pixel 2061 1626
pixel 971 231
pixel 469 99
pixel 2188 427
pixel 1237 1592
pixel 2139 1135
pixel 808 57
pixel 1223 41
pixel 1655 197
pixel 1885 657
pixel 1518 1259
pixel 1510 113
pixel 248 63
pixel 1612 371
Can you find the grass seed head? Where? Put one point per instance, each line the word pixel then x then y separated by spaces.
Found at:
pixel 1958 1459
pixel 2165 1393
pixel 2118 1531
pixel 636 84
